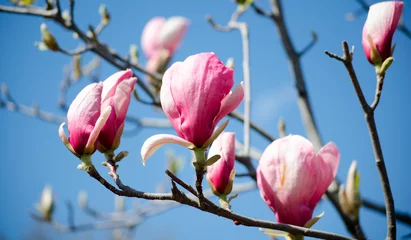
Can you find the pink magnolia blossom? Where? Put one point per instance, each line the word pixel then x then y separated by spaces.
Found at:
pixel 379 29
pixel 116 93
pixel 221 174
pixel 85 119
pixel 195 96
pixel 292 178
pixel 160 33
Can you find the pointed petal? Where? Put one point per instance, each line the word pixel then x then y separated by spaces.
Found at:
pixel 62 134
pixel 216 133
pixel 97 128
pixel 65 140
pixel 153 143
pixel 230 102
pixel 313 220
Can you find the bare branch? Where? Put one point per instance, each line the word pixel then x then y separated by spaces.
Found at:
pixel 372 128
pixel 242 27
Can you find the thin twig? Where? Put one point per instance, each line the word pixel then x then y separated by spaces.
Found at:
pixel 98 48
pixel 378 90
pixel 242 27
pixel 372 128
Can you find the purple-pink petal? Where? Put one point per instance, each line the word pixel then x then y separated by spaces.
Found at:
pixel 82 116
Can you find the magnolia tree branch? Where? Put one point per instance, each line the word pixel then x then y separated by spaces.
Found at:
pixel 92 43
pixel 242 27
pixel 179 196
pixel 294 56
pixel 364 9
pixel 368 110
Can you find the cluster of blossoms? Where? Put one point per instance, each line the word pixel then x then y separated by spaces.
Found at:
pixel 195 96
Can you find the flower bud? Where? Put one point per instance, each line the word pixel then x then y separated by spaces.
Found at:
pixel 82 199
pixel 116 95
pixel 221 174
pixel 46 205
pixel 292 177
pixel 48 39
pixel 160 33
pixel 105 15
pixel 349 196
pixel 379 29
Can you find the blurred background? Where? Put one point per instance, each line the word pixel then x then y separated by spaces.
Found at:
pixel 33 155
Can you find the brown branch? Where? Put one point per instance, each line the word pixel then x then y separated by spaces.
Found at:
pixel 178 196
pixel 346 59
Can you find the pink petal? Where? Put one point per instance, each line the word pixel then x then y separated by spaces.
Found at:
pixel 230 102
pixel 219 172
pixel 111 83
pixel 167 101
pixel 149 37
pixel 122 99
pixel 198 86
pixel 153 143
pixel 83 114
pixel 91 143
pixel 172 33
pixel 328 159
pixel 380 25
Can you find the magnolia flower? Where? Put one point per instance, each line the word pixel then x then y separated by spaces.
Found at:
pixel 160 33
pixel 292 177
pixel 85 119
pixel 195 96
pixel 116 94
pixel 379 29
pixel 221 174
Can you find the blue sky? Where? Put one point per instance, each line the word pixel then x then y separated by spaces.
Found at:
pixel 33 155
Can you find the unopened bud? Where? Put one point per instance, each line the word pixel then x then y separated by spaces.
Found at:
pixel 48 39
pixel 133 54
pixel 349 196
pixel 105 15
pixel 82 199
pixel 66 16
pixel 76 74
pixel 46 205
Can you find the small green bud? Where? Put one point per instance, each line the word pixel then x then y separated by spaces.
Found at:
pixel 48 39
